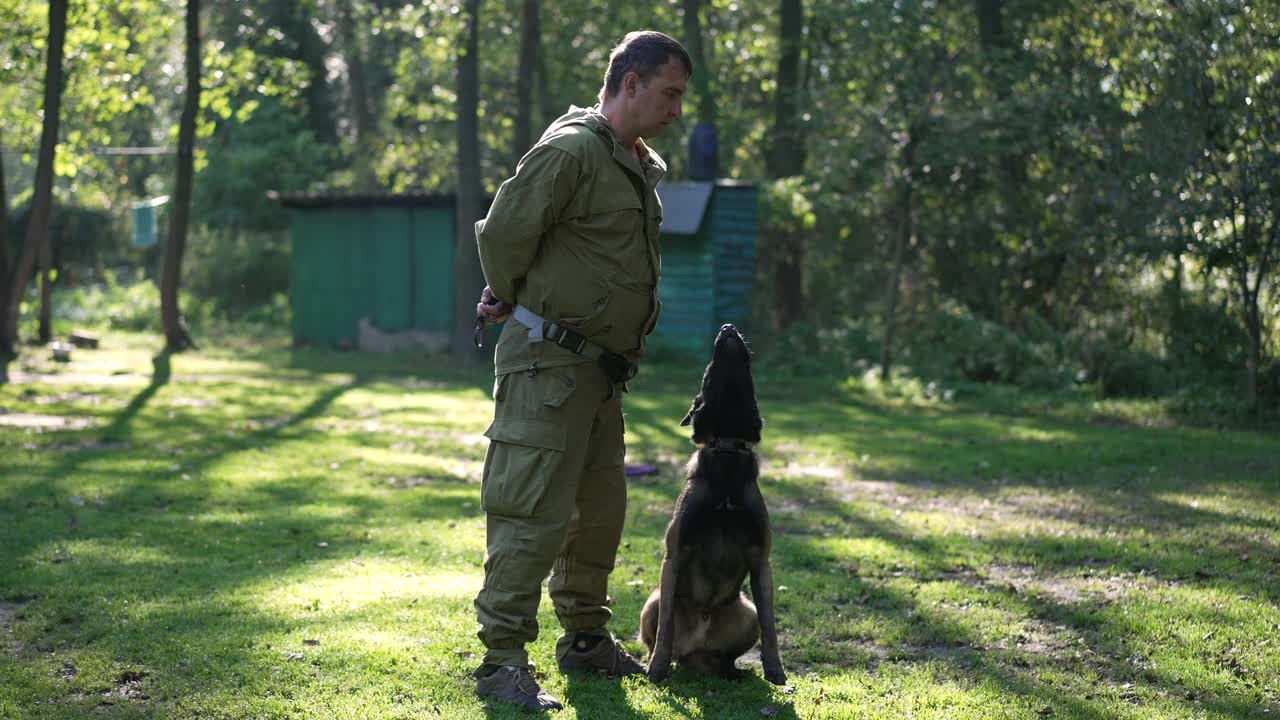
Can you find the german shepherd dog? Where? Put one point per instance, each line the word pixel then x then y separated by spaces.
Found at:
pixel 719 534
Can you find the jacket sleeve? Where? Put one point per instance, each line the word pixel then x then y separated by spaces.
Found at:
pixel 526 206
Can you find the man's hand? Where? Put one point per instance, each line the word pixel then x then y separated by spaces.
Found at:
pixel 491 309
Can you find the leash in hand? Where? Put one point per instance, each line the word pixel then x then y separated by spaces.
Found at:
pixel 478 336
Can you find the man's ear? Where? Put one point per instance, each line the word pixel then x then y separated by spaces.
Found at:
pixel 631 82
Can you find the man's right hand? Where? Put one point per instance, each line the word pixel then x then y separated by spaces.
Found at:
pixel 490 308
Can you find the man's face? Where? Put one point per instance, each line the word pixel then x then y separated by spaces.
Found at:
pixel 657 103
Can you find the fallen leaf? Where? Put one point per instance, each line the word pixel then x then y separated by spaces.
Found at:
pixel 310 642
pixel 294 655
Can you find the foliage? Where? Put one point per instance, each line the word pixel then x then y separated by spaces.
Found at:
pixel 1052 156
pixel 270 150
pixel 237 272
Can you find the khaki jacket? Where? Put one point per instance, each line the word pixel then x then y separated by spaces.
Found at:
pixel 573 236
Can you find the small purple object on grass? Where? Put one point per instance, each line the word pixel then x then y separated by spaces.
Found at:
pixel 641 469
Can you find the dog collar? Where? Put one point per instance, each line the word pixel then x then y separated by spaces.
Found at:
pixel 729 445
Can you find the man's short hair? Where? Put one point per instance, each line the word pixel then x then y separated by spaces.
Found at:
pixel 641 52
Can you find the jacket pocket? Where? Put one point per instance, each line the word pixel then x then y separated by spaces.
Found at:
pixel 595 321
pixel 519 467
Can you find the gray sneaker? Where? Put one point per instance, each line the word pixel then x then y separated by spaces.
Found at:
pixel 513 684
pixel 605 656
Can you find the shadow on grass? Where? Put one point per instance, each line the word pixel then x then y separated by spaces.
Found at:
pixel 748 695
pixel 1107 638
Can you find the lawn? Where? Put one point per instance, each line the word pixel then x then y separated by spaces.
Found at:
pixel 277 533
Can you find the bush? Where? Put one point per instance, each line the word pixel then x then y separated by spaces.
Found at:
pixel 237 272
pixel 953 342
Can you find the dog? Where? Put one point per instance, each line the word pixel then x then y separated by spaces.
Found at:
pixel 718 535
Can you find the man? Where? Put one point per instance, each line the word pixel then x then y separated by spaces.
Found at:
pixel 570 252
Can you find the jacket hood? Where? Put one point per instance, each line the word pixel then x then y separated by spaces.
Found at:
pixel 590 117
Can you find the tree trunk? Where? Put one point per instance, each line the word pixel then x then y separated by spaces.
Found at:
pixel 6 352
pixel 42 199
pixel 176 335
pixel 530 48
pixel 548 106
pixel 902 239
pixel 358 95
pixel 45 332
pixel 701 74
pixel 786 158
pixel 467 275
pixel 1253 323
pixel 995 45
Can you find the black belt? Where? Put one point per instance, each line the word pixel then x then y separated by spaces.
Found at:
pixel 616 366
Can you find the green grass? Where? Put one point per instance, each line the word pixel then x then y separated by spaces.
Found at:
pixel 297 534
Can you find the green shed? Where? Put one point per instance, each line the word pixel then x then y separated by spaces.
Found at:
pixel 708 261
pixel 386 259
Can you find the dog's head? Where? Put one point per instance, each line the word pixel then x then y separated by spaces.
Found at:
pixel 726 407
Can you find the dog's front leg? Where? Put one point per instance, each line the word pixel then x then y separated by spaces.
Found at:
pixel 762 591
pixel 660 661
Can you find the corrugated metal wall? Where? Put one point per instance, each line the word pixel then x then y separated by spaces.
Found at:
pixel 393 265
pixel 733 225
pixel 707 277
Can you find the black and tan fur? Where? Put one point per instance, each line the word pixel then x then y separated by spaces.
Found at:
pixel 719 534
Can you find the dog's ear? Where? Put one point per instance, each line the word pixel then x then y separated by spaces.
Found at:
pixel 695 408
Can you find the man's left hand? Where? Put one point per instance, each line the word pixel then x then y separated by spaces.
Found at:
pixel 490 308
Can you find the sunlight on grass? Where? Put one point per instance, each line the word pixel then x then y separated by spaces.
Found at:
pixel 357 584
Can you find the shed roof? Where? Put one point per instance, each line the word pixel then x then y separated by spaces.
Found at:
pixel 683 205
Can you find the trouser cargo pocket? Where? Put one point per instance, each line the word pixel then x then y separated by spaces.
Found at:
pixel 525 450
pixel 523 456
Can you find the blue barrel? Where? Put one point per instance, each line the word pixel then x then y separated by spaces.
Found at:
pixel 704 152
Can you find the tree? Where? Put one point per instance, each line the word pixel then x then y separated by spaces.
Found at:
pixel 467 276
pixel 6 350
pixel 786 158
pixel 38 225
pixel 1233 182
pixel 176 335
pixel 702 75
pixel 526 75
pixel 357 96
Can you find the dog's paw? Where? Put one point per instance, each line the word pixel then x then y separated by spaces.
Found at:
pixel 659 670
pixel 775 675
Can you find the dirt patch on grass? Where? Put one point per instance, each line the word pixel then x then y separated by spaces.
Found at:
pixel 44 423
pixel 456 437
pixel 191 402
pixel 127 688
pixel 1097 586
pixel 993 504
pixel 87 398
pixel 791 469
pixel 9 645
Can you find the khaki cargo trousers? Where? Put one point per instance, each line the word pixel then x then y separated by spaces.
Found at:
pixel 555 497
